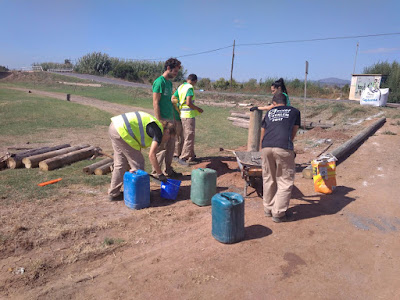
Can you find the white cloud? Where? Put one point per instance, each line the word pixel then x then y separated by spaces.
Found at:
pixel 237 23
pixel 381 50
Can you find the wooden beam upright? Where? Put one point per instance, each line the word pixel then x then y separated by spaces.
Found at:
pixel 253 141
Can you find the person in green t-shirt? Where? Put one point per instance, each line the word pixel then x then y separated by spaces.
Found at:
pixel 163 110
pixel 278 86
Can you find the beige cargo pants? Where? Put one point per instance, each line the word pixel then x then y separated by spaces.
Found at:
pixel 125 158
pixel 189 127
pixel 278 170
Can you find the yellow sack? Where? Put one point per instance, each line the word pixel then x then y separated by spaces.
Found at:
pixel 324 174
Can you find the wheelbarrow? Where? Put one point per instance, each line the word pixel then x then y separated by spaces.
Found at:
pixel 251 171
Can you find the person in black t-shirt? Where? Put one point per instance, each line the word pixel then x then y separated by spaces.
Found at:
pixel 278 129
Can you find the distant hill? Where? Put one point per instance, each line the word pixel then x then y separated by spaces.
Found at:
pixel 333 81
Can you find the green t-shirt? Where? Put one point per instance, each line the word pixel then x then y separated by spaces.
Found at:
pixel 164 87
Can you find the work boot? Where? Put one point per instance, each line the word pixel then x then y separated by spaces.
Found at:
pixel 119 197
pixel 183 162
pixel 288 217
pixel 195 160
pixel 173 174
pixel 267 213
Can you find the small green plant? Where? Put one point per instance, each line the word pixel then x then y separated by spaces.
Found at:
pixel 110 241
pixel 337 108
pixel 388 132
pixel 357 110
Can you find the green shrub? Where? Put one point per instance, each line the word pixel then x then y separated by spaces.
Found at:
pixel 204 83
pixel 95 63
pixel 125 71
pixel 393 78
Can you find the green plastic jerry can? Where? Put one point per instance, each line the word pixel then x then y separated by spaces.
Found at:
pixel 204 186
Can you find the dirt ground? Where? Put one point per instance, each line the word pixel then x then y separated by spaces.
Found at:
pixel 340 246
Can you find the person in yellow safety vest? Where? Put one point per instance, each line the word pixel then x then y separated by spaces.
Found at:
pixel 129 133
pixel 184 95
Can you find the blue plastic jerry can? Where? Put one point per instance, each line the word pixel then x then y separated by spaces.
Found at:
pixel 137 189
pixel 228 217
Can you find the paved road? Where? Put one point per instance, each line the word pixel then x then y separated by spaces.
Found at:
pixel 148 86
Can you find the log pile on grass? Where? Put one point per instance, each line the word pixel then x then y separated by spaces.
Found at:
pixel 51 158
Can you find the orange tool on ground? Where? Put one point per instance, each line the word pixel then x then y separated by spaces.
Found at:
pixel 49 182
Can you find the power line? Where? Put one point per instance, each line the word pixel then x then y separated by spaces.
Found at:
pixel 280 42
pixel 321 39
pixel 193 54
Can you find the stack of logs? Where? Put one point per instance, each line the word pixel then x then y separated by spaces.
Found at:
pixel 243 119
pixel 50 158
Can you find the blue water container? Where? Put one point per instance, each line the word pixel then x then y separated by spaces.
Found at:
pixel 227 217
pixel 137 189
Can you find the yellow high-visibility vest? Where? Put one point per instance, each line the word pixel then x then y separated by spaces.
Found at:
pixel 132 128
pixel 186 111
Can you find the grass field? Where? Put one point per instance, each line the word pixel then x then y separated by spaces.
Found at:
pixel 26 115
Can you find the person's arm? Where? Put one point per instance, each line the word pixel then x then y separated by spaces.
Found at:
pixel 294 131
pixel 267 108
pixel 261 137
pixel 156 105
pixel 175 101
pixel 153 157
pixel 189 102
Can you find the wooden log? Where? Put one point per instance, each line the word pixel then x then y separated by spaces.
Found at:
pixel 241 124
pixel 241 115
pixel 341 151
pixel 253 141
pixel 91 168
pixel 104 169
pixel 65 159
pixel 16 160
pixel 238 120
pixel 33 161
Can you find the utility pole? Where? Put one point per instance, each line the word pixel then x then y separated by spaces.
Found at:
pixel 305 94
pixel 233 57
pixel 355 59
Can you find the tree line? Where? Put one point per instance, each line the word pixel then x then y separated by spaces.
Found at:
pixel 97 63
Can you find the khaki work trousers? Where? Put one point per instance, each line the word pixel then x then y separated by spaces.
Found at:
pixel 189 126
pixel 178 138
pixel 125 158
pixel 165 154
pixel 278 170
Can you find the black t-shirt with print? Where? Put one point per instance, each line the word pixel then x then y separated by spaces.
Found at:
pixel 278 123
pixel 154 132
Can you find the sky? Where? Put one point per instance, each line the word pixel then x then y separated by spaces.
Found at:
pixel 35 31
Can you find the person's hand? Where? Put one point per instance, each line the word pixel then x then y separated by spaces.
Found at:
pixel 162 178
pixel 254 108
pixel 200 110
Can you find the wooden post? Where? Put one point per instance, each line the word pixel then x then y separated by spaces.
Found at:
pixel 345 148
pixel 91 168
pixel 233 57
pixel 253 141
pixel 65 159
pixel 33 161
pixel 305 92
